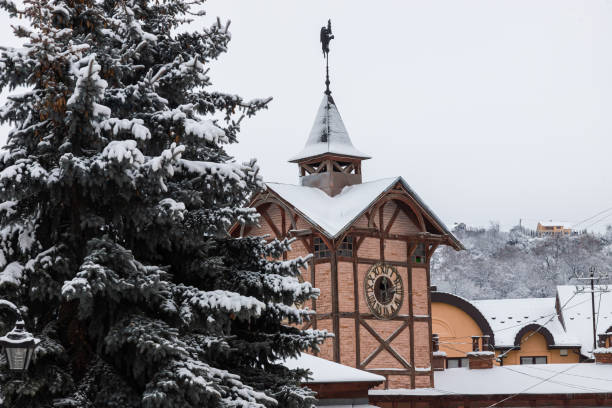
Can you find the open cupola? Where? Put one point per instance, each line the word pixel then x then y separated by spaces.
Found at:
pixel 329 160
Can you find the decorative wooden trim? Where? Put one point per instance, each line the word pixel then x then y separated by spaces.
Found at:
pixel 429 323
pixel 283 229
pixel 300 233
pixel 406 199
pixel 431 250
pixel 370 316
pixel 384 344
pixel 381 238
pixel 358 243
pixel 386 371
pixel 313 282
pixel 335 306
pixel 283 222
pixel 356 318
pixel 392 220
pixel 371 261
pixel 264 213
pixel 409 251
pixel 415 237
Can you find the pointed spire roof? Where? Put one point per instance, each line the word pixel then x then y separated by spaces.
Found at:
pixel 328 134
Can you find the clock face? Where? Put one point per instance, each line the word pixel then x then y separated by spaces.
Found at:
pixel 384 290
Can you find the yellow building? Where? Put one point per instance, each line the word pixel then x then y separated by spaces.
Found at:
pixel 520 331
pixel 553 228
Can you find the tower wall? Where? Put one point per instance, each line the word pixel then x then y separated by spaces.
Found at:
pixel 398 348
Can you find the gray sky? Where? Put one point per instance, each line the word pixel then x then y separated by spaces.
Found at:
pixel 491 110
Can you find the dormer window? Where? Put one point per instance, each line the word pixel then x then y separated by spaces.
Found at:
pixel 419 254
pixel 320 249
pixel 346 247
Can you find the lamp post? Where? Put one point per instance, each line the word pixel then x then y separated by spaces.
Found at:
pixel 18 343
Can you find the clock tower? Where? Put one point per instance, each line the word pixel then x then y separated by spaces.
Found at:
pixel 371 242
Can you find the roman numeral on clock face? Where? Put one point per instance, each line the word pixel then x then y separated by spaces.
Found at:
pixel 384 290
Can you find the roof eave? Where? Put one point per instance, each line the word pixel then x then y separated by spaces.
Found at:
pixel 299 158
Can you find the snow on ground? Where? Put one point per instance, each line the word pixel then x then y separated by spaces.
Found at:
pixel 325 371
pixel 579 378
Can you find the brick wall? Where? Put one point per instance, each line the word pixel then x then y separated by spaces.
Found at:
pixel 393 250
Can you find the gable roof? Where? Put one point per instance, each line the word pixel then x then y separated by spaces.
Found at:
pixel 328 134
pixel 333 215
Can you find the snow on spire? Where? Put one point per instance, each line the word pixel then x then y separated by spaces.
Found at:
pixel 328 134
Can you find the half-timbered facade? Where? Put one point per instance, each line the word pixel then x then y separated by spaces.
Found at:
pixel 372 243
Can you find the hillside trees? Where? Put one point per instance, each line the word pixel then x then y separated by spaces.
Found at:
pixel 514 264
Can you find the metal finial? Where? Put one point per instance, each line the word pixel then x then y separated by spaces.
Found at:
pixel 326 37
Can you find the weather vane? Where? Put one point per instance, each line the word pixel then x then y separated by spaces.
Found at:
pixel 326 37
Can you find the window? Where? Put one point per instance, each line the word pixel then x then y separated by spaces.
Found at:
pixel 419 254
pixel 563 352
pixel 320 249
pixel 457 362
pixel 533 360
pixel 346 247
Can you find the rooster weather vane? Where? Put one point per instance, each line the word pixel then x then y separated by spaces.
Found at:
pixel 326 37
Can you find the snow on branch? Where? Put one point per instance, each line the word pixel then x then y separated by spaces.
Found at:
pixel 89 83
pixel 192 299
pixel 134 126
pixel 123 151
pixel 200 128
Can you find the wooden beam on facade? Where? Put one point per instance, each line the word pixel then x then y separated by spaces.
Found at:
pixel 409 252
pixel 264 213
pixel 392 220
pixel 384 345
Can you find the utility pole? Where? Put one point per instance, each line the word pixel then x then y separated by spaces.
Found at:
pixel 592 269
pixel 593 276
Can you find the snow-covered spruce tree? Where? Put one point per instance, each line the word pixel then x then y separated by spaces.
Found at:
pixel 116 194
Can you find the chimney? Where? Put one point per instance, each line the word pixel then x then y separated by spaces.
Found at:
pixel 603 352
pixel 480 358
pixel 439 357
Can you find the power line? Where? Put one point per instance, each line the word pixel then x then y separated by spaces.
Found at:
pixel 526 322
pixel 543 380
pixel 590 218
pixel 559 382
pixel 598 221
pixel 532 386
pixel 573 375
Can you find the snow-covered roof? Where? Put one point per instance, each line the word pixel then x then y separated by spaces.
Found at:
pixel 332 215
pixel 576 310
pixel 563 224
pixel 325 371
pixel 580 378
pixel 508 316
pixel 328 134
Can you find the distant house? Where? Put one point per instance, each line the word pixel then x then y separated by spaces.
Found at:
pixel 471 337
pixel 553 228
pixel 555 330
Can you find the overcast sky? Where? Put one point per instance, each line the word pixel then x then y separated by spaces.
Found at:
pixel 491 110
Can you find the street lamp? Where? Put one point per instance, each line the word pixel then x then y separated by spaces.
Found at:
pixel 18 343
